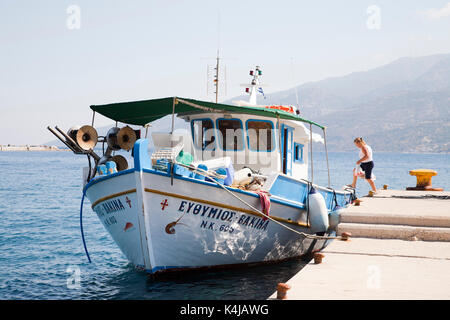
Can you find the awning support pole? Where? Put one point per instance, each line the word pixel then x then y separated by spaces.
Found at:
pixel 93 117
pixel 326 153
pixel 311 153
pixel 173 119
pixel 279 142
pixel 173 113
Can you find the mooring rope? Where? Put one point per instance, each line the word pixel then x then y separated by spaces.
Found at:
pixel 81 228
pixel 306 235
pixel 326 153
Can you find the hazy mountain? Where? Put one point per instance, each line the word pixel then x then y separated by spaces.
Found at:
pixel 403 106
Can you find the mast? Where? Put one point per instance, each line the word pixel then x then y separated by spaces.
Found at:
pixel 216 80
pixel 216 77
pixel 254 85
pixel 293 83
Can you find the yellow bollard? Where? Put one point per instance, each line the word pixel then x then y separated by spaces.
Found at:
pixel 423 180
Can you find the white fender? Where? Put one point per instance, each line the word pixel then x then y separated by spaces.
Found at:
pixel 334 217
pixel 318 212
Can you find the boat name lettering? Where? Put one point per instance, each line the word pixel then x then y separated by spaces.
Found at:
pixel 109 207
pixel 210 212
pixel 113 206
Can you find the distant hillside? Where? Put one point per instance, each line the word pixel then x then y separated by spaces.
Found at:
pixel 403 106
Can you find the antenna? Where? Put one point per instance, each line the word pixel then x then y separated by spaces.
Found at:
pixel 217 80
pixel 216 73
pixel 225 77
pixel 216 77
pixel 293 81
pixel 207 78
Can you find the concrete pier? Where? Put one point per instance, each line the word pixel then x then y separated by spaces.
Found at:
pixel 396 214
pixel 400 249
pixel 30 148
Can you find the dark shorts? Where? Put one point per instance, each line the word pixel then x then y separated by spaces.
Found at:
pixel 367 168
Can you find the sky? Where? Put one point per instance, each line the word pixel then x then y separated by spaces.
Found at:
pixel 59 57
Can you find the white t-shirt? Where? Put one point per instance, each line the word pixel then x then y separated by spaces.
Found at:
pixel 369 154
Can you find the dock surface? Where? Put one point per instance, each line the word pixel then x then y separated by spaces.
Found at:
pixel 398 214
pixel 400 249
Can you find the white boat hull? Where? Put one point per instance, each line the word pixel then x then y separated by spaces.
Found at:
pixel 162 223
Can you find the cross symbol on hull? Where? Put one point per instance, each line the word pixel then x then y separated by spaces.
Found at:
pixel 164 204
pixel 128 201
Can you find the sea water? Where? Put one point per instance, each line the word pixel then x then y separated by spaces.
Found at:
pixel 42 255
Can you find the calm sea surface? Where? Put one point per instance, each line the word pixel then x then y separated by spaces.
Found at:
pixel 42 255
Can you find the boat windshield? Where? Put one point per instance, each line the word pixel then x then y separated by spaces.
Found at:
pixel 203 134
pixel 231 134
pixel 260 135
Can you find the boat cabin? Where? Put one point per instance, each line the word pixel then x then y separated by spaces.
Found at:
pixel 266 139
pixel 264 144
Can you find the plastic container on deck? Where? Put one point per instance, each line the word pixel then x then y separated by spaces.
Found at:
pixel 111 167
pixel 203 168
pixel 101 170
pixel 222 175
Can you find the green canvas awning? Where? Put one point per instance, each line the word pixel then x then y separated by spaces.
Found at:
pixel 145 111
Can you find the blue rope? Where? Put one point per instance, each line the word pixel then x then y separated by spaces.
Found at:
pixel 81 228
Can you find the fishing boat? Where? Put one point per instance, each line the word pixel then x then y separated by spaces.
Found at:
pixel 235 189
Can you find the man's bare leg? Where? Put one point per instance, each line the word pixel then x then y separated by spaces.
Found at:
pixel 372 184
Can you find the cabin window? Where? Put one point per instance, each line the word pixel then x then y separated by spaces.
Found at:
pixel 260 135
pixel 203 134
pixel 231 136
pixel 298 152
